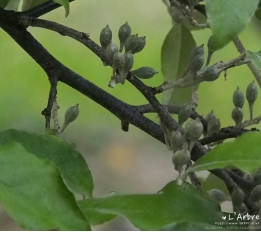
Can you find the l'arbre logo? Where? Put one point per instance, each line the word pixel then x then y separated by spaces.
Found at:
pixel 224 217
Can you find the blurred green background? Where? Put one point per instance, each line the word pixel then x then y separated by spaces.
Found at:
pixel 123 162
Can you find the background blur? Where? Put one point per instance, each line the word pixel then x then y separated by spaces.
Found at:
pixel 123 162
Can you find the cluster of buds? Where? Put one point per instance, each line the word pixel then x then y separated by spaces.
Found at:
pixel 181 145
pixel 121 62
pixel 239 99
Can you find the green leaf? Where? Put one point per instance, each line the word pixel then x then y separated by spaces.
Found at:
pixel 243 153
pixel 64 155
pixel 227 19
pixel 66 5
pixel 255 57
pixel 3 3
pixel 34 194
pixel 175 52
pixel 174 203
pixel 13 5
pixel 26 4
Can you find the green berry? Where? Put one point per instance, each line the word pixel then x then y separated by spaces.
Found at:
pixel 124 32
pixel 131 43
pixel 105 36
pixel 251 93
pixel 144 72
pixel 180 158
pixel 210 74
pixel 213 126
pixel 184 113
pixel 217 196
pixel 193 131
pixel 238 197
pixel 111 49
pixel 238 98
pixel 141 42
pixel 70 115
pixel 237 115
pixel 176 140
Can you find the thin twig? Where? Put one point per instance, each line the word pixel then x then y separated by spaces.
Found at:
pixel 241 49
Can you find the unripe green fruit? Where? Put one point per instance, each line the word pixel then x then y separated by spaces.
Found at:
pixel 131 43
pixel 210 116
pixel 124 32
pixel 176 140
pixel 70 115
pixel 217 196
pixel 210 74
pixel 180 158
pixel 237 115
pixel 111 49
pixel 129 61
pixel 141 42
pixel 238 98
pixel 196 59
pixel 251 93
pixel 256 193
pixel 144 72
pixel 213 126
pixel 237 196
pixel 194 129
pixel 184 113
pixel 105 36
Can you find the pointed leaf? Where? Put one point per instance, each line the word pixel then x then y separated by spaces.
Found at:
pixel 243 153
pixel 34 194
pixel 66 5
pixel 255 57
pixel 175 52
pixel 227 19
pixel 64 155
pixel 13 5
pixel 153 211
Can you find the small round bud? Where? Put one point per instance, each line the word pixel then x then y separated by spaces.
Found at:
pixel 217 195
pixel 237 196
pixel 237 115
pixel 176 140
pixel 111 49
pixel 144 72
pixel 184 113
pixel 70 115
pixel 131 43
pixel 124 32
pixel 105 36
pixel 256 193
pixel 210 116
pixel 210 74
pixel 180 158
pixel 193 131
pixel 238 98
pixel 196 59
pixel 251 93
pixel 129 61
pixel 213 126
pixel 141 42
